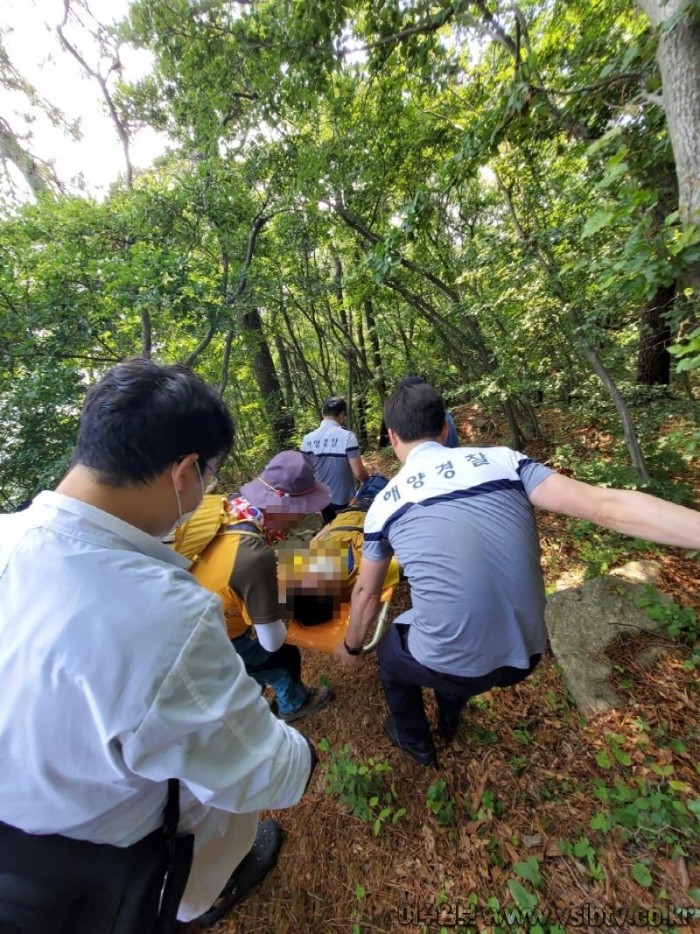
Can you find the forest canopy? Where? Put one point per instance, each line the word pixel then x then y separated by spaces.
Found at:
pixel 496 196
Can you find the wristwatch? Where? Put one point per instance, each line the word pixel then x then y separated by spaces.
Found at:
pixel 350 650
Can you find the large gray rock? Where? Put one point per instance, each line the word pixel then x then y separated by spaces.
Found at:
pixel 583 621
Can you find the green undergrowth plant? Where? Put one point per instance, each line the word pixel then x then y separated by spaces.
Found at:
pixel 614 752
pixel 662 815
pixel 440 803
pixel 489 806
pixel 480 735
pixel 583 850
pixel 600 549
pixel 680 623
pixel 525 913
pixel 663 736
pixel 687 353
pixel 364 786
pixel 356 911
pixel 666 458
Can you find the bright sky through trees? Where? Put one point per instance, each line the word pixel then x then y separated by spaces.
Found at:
pixel 90 158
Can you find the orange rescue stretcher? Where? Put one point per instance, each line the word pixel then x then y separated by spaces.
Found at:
pixel 326 636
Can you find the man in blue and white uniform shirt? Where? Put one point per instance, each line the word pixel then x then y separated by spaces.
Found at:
pixel 462 525
pixel 336 455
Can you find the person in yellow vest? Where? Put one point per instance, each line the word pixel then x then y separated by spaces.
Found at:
pixel 230 544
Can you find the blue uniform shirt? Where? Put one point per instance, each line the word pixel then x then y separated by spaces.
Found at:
pixel 463 529
pixel 332 448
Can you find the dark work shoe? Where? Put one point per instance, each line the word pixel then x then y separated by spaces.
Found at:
pixel 252 869
pixel 423 752
pixel 316 700
pixel 447 729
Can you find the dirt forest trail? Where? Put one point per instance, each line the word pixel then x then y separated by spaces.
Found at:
pixel 502 826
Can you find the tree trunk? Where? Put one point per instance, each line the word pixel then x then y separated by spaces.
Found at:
pixel 190 359
pixel 516 436
pixel 627 426
pixel 11 150
pixel 146 333
pixel 266 377
pixel 653 359
pixel 286 372
pixel 361 394
pixel 678 55
pixel 310 389
pixel 348 346
pixel 379 380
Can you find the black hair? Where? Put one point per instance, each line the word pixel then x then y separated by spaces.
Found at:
pixel 411 381
pixel 312 609
pixel 415 412
pixel 142 417
pixel 334 406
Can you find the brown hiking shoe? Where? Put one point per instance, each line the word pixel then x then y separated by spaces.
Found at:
pixel 316 700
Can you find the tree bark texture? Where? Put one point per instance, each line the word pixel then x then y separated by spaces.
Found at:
pixel 678 55
pixel 380 381
pixel 601 371
pixel 266 377
pixel 653 359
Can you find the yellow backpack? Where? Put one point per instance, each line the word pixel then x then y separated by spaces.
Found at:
pixel 212 567
pixel 193 536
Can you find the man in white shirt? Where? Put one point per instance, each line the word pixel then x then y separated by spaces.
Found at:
pixel 116 673
pixel 336 455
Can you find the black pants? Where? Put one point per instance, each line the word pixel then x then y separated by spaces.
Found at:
pixel 54 885
pixel 403 677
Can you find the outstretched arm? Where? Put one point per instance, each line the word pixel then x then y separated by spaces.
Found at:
pixel 637 514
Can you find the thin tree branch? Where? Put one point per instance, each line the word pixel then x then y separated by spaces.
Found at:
pixel 119 124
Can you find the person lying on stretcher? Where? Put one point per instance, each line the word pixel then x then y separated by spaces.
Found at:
pixel 315 579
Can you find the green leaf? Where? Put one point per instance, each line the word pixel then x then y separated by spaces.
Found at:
pixel 596 222
pixel 523 898
pixel 694 807
pixel 583 847
pixel 603 759
pixel 529 870
pixel 630 55
pixel 621 756
pixel 641 875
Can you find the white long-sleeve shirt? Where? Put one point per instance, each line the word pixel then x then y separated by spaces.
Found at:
pixel 116 674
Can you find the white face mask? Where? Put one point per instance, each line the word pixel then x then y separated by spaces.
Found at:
pixel 184 516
